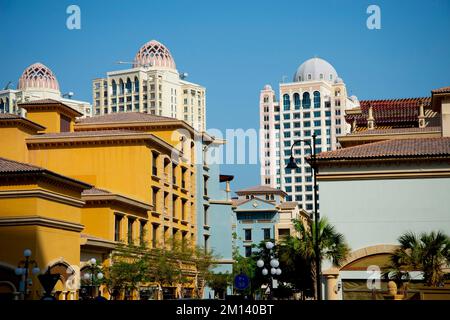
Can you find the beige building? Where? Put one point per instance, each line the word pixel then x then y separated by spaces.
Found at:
pixel 153 85
pixel 38 82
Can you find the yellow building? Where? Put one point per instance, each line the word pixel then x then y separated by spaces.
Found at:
pixel 71 189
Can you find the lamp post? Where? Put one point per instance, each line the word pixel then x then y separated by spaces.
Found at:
pixel 273 264
pixel 23 270
pixel 93 268
pixel 293 165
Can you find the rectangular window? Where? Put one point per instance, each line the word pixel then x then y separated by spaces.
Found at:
pixel 64 124
pixel 154 163
pixel 183 209
pixel 155 198
pixel 248 234
pixel 130 230
pixel 206 243
pixel 248 251
pixel 142 232
pixel 117 227
pixel 174 206
pixel 154 235
pixel 266 233
pixel 205 215
pixel 174 174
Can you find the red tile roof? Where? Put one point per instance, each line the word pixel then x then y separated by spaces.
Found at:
pixel 367 132
pixel 8 166
pixel 125 117
pixel 42 101
pixel 398 111
pixel 441 90
pixel 87 133
pixel 95 191
pixel 396 148
pixel 288 205
pixel 8 117
pixel 49 102
pixel 260 189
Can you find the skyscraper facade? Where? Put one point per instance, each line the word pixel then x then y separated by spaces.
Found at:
pixel 313 103
pixel 153 85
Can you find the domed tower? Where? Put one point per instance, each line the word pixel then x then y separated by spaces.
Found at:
pixel 39 77
pixel 154 54
pixel 315 69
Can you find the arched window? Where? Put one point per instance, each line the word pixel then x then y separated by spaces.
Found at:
pixel 121 86
pixel 128 86
pixel 316 99
pixel 286 102
pixel 296 101
pixel 7 105
pixel 114 88
pixel 306 101
pixel 136 84
pixel 2 106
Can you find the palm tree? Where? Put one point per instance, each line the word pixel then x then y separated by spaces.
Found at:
pixel 428 253
pixel 332 245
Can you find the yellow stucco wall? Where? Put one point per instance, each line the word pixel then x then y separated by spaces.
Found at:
pixel 48 119
pixel 12 144
pixel 117 168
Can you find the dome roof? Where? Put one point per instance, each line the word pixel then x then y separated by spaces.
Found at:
pixel 38 76
pixel 315 69
pixel 155 54
pixel 267 87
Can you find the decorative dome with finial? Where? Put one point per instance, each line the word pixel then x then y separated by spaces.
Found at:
pixel 154 54
pixel 38 76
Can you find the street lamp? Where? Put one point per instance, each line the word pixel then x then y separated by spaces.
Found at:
pixel 23 270
pixel 293 165
pixel 273 264
pixel 93 268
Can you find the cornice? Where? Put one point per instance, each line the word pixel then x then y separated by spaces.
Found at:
pixel 42 194
pixel 40 221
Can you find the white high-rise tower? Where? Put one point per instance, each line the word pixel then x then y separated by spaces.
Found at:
pixel 314 102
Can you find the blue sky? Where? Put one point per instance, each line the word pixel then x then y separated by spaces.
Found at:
pixel 233 48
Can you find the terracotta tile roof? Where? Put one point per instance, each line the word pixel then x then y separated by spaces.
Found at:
pixel 87 133
pixel 42 101
pixel 441 90
pixel 50 102
pixel 398 111
pixel 238 202
pixel 95 191
pixel 288 205
pixel 7 165
pixel 365 132
pixel 261 189
pixel 396 148
pixel 9 117
pixel 125 117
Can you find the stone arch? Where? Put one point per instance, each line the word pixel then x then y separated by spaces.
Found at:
pixel 9 282
pixel 368 251
pixel 68 282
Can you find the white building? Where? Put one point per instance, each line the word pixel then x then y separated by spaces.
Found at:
pixel 153 85
pixel 38 82
pixel 313 103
